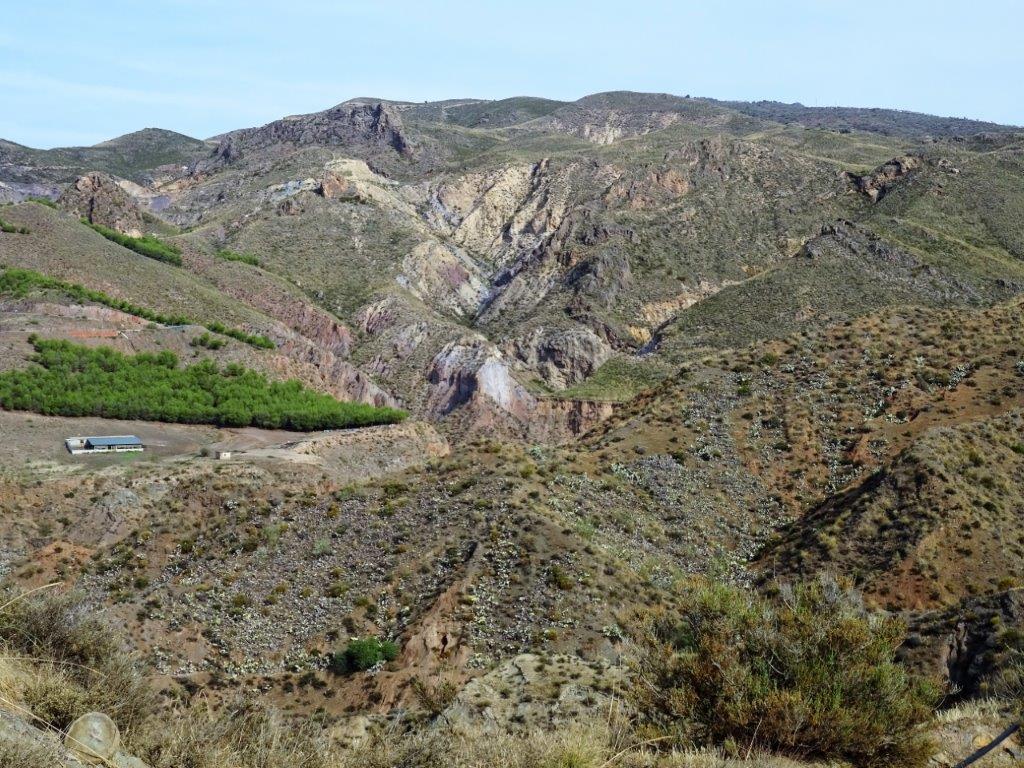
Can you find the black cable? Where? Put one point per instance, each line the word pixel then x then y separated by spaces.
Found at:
pixel 1007 733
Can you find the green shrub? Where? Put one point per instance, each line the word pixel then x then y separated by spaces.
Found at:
pixel 362 654
pixel 72 380
pixel 41 201
pixel 10 229
pixel 256 341
pixel 147 245
pixel 245 258
pixel 207 342
pixel 809 674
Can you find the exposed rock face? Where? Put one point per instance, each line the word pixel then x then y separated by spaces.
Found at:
pixel 876 184
pixel 654 313
pixel 326 371
pixel 502 214
pixel 963 645
pixel 375 125
pixel 653 187
pixel 600 279
pixel 360 453
pixel 558 421
pixel 98 198
pixel 379 316
pixel 473 376
pixel 443 276
pixel 470 370
pixel 561 357
pixel 602 126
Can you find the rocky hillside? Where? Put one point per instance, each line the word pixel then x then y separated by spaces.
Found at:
pixel 487 257
pixel 647 342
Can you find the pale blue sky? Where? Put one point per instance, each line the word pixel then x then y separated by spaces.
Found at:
pixel 81 71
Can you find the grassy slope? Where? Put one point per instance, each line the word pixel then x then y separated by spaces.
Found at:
pixel 60 246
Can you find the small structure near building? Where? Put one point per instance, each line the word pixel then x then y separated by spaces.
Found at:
pixel 104 444
pixel 211 452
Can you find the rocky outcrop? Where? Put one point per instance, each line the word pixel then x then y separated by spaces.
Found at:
pixel 99 199
pixel 444 277
pixel 561 357
pixel 297 357
pixel 473 377
pixel 604 126
pixel 503 214
pixel 967 646
pixel 655 186
pixel 373 125
pixel 473 369
pixel 560 420
pixel 598 280
pixel 379 316
pixel 359 454
pixel 876 185
pixel 655 313
pixel 350 179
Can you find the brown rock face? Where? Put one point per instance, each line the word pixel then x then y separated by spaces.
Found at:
pixel 352 123
pixel 562 357
pixel 99 199
pixel 876 184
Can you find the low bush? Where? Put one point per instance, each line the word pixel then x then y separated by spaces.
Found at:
pixel 242 734
pixel 245 258
pixel 261 342
pixel 41 201
pixel 360 655
pixel 206 341
pixel 147 245
pixel 10 229
pixel 72 380
pixel 807 674
pixel 28 753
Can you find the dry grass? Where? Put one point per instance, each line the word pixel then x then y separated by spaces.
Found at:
pixel 61 662
pixel 584 745
pixel 16 753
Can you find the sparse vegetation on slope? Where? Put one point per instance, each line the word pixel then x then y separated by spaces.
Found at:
pixel 147 245
pixel 71 380
pixel 20 282
pixel 42 201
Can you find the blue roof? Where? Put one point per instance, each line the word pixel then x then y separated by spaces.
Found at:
pixel 113 440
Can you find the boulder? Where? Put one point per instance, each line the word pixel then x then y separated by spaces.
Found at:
pixel 93 738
